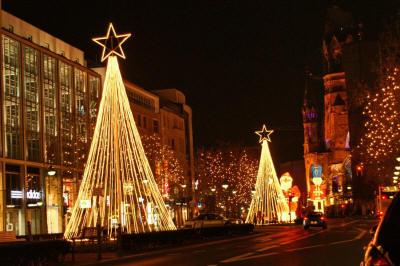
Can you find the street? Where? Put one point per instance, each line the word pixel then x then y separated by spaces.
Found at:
pixel 341 244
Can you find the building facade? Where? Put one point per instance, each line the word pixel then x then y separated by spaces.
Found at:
pixel 48 111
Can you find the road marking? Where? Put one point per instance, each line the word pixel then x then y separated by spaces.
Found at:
pixel 237 258
pixel 300 238
pixel 266 248
pixel 263 240
pixel 361 234
pixel 249 258
pixel 199 251
pixel 308 247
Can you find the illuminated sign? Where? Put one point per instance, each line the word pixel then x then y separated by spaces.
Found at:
pixel 85 204
pixel 33 194
pixel 16 194
pixel 316 170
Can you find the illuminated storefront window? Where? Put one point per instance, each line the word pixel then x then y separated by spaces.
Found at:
pixel 54 206
pixel 69 194
pixel 31 89
pixel 14 216
pixel 34 199
pixel 12 98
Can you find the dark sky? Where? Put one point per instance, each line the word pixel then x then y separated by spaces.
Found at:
pixel 240 63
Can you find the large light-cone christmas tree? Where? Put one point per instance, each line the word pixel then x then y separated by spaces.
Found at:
pixel 118 186
pixel 268 204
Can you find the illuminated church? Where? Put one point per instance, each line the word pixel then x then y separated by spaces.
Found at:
pixel 326 121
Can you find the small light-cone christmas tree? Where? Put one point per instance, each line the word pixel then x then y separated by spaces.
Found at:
pixel 118 186
pixel 268 204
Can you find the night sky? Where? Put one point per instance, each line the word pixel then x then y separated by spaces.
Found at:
pixel 240 63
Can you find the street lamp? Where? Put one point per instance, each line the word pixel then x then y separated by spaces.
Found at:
pixel 225 186
pixel 51 171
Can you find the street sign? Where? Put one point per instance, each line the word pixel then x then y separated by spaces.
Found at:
pixel 316 170
pixel 85 204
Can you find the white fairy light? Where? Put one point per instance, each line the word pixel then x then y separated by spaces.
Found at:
pixel 117 177
pixel 268 199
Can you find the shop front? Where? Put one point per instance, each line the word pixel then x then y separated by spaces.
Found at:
pixel 33 200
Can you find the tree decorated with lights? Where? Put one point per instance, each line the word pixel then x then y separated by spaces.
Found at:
pixel 235 168
pixel 268 204
pixel 379 143
pixel 168 170
pixel 118 188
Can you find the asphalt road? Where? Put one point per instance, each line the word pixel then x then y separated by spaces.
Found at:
pixel 341 244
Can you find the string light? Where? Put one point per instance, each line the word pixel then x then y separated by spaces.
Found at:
pixel 268 203
pixel 168 170
pixel 113 179
pixel 235 167
pixel 379 143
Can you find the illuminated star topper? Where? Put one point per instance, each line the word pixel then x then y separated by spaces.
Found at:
pixel 264 134
pixel 111 43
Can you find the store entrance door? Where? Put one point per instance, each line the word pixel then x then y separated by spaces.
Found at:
pixel 33 216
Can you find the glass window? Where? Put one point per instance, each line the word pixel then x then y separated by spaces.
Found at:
pixel 12 98
pixel 67 115
pixel 50 109
pixel 14 190
pixel 81 117
pixel 144 122
pixel 156 127
pixel 94 90
pixel 31 89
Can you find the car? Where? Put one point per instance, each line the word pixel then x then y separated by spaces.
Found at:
pixel 384 248
pixel 314 219
pixel 207 220
pixel 235 221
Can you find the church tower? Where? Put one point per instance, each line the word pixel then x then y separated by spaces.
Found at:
pixel 310 121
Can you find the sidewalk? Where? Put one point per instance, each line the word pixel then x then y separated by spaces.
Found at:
pixel 109 257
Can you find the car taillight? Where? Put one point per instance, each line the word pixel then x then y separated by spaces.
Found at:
pixel 322 218
pixel 379 262
pixel 305 218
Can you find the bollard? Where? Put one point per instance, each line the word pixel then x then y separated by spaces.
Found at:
pixel 99 238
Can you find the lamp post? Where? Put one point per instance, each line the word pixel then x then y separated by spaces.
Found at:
pixel 51 171
pixel 225 186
